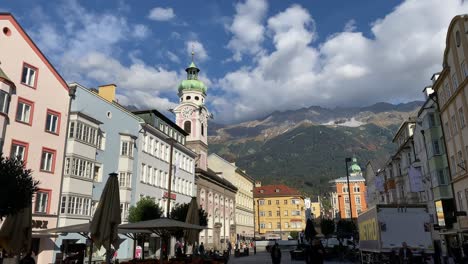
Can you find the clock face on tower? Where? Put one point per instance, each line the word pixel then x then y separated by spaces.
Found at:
pixel 187 112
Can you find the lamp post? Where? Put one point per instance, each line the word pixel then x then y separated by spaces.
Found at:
pixel 349 189
pixel 281 230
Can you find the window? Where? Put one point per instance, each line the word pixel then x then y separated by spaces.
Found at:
pixel 453 166
pixel 202 129
pixel 295 213
pixel 269 225
pixel 448 91
pixel 442 180
pixel 454 81
pixel 81 168
pixel 278 224
pixel 356 189
pixel 4 102
pixel 447 129
pixel 52 121
pixel 432 121
pixel 345 189
pixel 295 201
pixel 286 225
pixel 126 148
pixel 262 225
pixel 29 75
pixel 285 201
pixel 346 200
pixel 269 213
pixel 460 200
pixel 454 125
pixel 19 150
pixel 48 160
pixel 285 212
pixel 278 213
pixel 269 202
pixel 41 202
pixel 24 111
pixel 277 201
pixel 76 205
pixel 462 117
pixel 358 199
pixel 436 146
pixel 461 161
pixel 262 213
pixel 261 202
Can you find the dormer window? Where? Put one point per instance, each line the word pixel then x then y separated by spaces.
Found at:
pixel 277 190
pixel 261 191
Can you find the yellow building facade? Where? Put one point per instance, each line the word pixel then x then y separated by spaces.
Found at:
pixel 279 210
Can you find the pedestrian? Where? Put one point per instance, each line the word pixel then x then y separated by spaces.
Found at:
pixel 405 254
pixel 229 248
pixel 201 249
pixel 28 259
pixel 275 252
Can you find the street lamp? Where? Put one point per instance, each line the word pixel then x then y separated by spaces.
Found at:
pixel 281 231
pixel 349 189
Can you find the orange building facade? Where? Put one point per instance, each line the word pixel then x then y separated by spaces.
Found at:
pixel 341 194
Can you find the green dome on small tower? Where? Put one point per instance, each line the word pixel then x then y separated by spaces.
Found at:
pixel 355 167
pixel 192 83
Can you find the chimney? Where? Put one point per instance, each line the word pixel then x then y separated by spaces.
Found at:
pixel 258 184
pixel 108 92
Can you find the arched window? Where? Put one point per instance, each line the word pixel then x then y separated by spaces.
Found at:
pixel 188 126
pixel 202 129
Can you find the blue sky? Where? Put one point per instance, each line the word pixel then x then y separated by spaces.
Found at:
pixel 256 56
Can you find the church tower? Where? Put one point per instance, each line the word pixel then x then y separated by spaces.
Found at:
pixel 192 114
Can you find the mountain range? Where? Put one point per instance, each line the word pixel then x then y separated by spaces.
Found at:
pixel 306 148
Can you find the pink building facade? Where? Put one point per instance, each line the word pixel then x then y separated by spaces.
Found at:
pixel 36 122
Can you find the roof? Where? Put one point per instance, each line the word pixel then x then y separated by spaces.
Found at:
pixel 11 18
pixel 163 117
pixel 351 179
pixel 275 190
pixel 211 175
pixel 5 78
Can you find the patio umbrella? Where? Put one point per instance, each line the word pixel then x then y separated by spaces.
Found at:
pixel 310 231
pixel 107 216
pixel 15 233
pixel 193 217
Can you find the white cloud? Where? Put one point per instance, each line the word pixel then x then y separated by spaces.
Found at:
pixel 346 69
pixel 247 28
pixel 161 14
pixel 350 26
pixel 85 47
pixel 197 47
pixel 140 31
pixel 173 57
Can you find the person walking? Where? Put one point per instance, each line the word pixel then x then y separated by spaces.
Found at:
pixel 275 254
pixel 405 254
pixel 201 249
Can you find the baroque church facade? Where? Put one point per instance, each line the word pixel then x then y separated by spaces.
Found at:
pixel 215 194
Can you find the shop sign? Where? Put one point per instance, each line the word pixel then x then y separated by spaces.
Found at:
pixel 440 213
pixel 173 195
pixel 39 224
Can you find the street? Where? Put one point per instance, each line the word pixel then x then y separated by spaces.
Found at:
pixel 264 258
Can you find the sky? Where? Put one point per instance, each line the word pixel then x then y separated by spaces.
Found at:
pixel 255 56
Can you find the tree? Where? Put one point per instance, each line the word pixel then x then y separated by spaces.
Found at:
pixel 294 234
pixel 179 213
pixel 145 209
pixel 327 226
pixel 310 232
pixel 17 186
pixel 345 229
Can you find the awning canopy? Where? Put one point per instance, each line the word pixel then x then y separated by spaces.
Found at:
pixel 161 225
pixel 84 229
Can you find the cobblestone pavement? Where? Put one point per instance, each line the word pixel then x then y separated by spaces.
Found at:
pixel 264 258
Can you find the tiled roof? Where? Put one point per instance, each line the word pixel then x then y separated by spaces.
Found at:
pixel 210 174
pixel 275 190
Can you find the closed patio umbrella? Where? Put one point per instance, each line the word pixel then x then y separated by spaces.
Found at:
pixel 107 216
pixel 193 217
pixel 16 231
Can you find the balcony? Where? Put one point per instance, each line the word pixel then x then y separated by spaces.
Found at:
pixel 442 192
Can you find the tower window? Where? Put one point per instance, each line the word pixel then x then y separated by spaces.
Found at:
pixel 188 127
pixel 197 98
pixel 187 98
pixel 181 99
pixel 202 129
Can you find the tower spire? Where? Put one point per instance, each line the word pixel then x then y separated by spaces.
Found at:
pixel 193 52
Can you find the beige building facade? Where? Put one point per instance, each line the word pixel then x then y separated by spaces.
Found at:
pixel 244 218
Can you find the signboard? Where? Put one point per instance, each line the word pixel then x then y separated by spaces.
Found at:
pixel 440 213
pixel 173 195
pixel 307 203
pixel 368 230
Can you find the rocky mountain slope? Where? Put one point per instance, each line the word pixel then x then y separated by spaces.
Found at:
pixel 307 147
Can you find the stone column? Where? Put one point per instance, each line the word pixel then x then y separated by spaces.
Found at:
pixel 217 235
